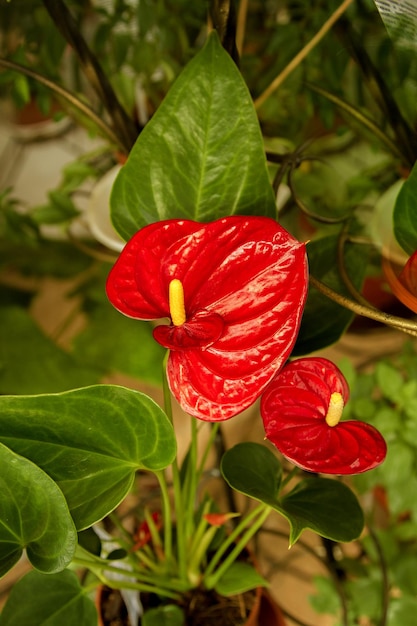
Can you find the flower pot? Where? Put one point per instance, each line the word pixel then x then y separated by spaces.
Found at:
pixel 264 612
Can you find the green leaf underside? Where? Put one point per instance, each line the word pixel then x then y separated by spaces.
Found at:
pixel 324 321
pixel 238 578
pixel 323 505
pixel 54 600
pixel 405 223
pixel 33 515
pixel 201 156
pixel 90 441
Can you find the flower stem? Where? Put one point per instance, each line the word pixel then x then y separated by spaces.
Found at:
pixel 299 58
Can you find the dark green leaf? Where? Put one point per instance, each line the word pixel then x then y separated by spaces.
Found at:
pixel 324 321
pixel 90 441
pixel 34 515
pixel 405 223
pixel 54 600
pixel 201 156
pixel 90 541
pixel 323 505
pixel 253 470
pixel 31 363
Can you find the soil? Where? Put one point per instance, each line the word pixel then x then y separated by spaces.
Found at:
pixel 201 607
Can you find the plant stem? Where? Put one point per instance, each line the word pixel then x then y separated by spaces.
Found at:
pixel 241 24
pixel 176 483
pixel 63 19
pixel 406 326
pixel 360 117
pixel 299 58
pixel 66 95
pixel 262 512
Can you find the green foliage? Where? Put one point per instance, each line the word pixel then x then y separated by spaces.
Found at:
pixel 238 578
pixel 201 156
pixel 54 600
pixel 324 321
pixel 167 615
pixel 90 442
pixel 34 516
pixel 405 225
pixel 321 504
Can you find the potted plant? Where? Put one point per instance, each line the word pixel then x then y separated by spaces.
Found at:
pixel 196 206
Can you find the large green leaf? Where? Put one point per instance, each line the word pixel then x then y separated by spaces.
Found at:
pixel 405 215
pixel 55 600
pixel 323 505
pixel 33 515
pixel 31 363
pixel 324 321
pixel 90 441
pixel 201 156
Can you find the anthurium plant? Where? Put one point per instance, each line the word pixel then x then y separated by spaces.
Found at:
pixel 225 287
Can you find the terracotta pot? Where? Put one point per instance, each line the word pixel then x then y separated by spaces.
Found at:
pixel 265 611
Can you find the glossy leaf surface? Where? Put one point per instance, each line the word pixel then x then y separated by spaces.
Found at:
pixel 405 223
pixel 33 516
pixel 201 156
pixel 50 600
pixel 324 321
pixel 245 284
pixel 294 409
pixel 90 441
pixel 323 505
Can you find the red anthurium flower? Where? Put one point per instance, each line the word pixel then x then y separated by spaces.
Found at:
pixel 408 276
pixel 301 411
pixel 234 291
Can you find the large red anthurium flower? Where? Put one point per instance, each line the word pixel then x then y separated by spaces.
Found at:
pixel 233 290
pixel 301 411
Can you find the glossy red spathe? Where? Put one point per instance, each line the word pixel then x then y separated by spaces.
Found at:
pixel 299 418
pixel 244 282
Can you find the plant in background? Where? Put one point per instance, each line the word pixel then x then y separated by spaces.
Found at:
pixel 195 204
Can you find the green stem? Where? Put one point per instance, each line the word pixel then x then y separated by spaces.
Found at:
pixel 191 482
pixel 263 510
pixel 244 523
pixel 166 507
pixel 68 96
pixel 288 477
pixel 176 483
pixel 210 442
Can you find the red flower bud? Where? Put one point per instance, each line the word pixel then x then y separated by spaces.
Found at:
pixel 234 291
pixel 301 411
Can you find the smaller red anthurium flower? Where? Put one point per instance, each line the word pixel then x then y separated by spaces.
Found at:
pixel 408 276
pixel 233 291
pixel 301 410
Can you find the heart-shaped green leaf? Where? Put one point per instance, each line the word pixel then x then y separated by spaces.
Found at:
pixel 90 441
pixel 405 225
pixel 253 470
pixel 323 505
pixel 54 600
pixel 33 515
pixel 201 156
